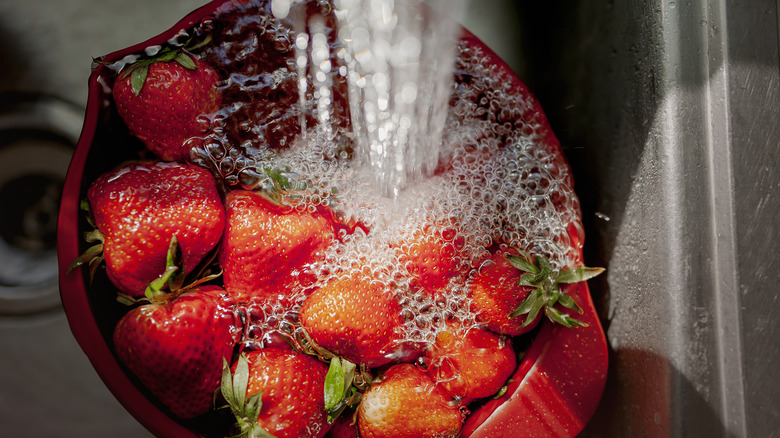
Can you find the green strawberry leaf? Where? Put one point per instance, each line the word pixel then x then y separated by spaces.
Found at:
pixel 246 409
pixel 577 275
pixel 563 319
pixel 240 382
pixel 253 405
pixel 94 236
pixel 185 61
pixel 84 206
pixel 334 384
pixel 226 387
pixel 568 302
pixel 538 305
pixel 166 54
pixel 138 77
pixel 543 263
pixel 272 184
pixel 259 432
pixel 87 257
pixel 339 390
pixel 173 276
pixel 502 391
pixel 528 279
pixel 521 263
pixel 528 303
pixel 541 276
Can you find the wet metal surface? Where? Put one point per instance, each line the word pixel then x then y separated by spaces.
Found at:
pixel 670 112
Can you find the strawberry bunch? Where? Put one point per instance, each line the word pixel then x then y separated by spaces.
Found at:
pixel 185 337
pixel 200 263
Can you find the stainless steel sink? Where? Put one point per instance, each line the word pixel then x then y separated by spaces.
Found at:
pixel 670 110
pixel 669 113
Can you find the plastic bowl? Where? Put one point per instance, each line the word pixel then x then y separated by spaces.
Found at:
pixel 554 392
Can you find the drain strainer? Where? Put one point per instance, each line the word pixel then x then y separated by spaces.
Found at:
pixel 37 138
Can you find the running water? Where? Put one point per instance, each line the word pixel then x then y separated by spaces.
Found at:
pixel 398 58
pixel 347 99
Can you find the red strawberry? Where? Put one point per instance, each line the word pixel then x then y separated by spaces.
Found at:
pixel 470 363
pixel 345 426
pixel 406 403
pixel 140 207
pixel 268 249
pixel 277 391
pixel 430 257
pixel 357 319
pixel 161 100
pixel 510 292
pixel 176 348
pixel 495 293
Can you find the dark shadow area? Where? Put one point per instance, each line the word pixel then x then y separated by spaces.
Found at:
pixel 589 68
pixel 646 393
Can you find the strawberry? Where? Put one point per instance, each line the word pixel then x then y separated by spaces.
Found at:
pixel 355 318
pixel 278 392
pixel 510 292
pixel 345 426
pixel 406 403
pixel 431 258
pixel 176 347
pixel 470 363
pixel 140 207
pixel 161 100
pixel 268 250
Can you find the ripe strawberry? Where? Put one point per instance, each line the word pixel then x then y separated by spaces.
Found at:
pixel 140 207
pixel 406 403
pixel 354 318
pixel 431 258
pixel 161 99
pixel 495 293
pixel 510 293
pixel 345 426
pixel 268 249
pixel 277 391
pixel 470 363
pixel 176 347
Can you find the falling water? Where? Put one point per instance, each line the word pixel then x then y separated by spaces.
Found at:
pixel 398 59
pixel 501 177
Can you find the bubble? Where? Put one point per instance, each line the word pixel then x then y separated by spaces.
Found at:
pixel 499 179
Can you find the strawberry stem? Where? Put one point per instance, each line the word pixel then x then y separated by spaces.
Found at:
pixel 172 276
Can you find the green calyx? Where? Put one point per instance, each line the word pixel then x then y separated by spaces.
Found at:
pixel 344 386
pixel 246 409
pixel 93 256
pixel 546 292
pixel 140 69
pixel 172 276
pixel 180 55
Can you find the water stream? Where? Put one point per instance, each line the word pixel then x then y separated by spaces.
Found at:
pixel 397 57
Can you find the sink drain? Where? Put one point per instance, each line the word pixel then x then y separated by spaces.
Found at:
pixel 37 138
